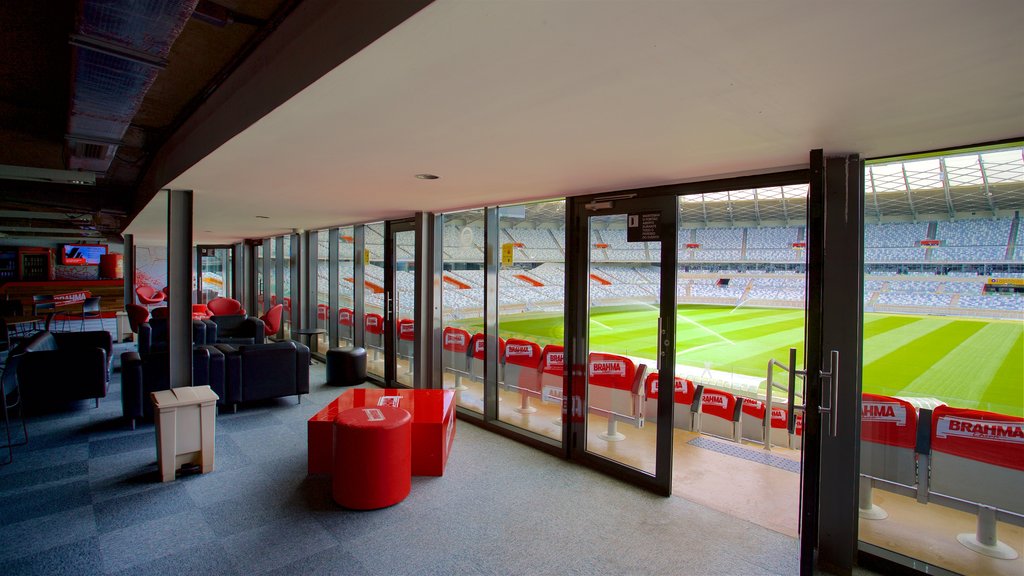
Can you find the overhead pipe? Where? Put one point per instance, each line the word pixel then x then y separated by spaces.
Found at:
pixel 118 49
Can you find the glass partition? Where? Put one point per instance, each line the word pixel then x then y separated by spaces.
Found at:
pixel 346 304
pixel 321 289
pixel 942 412
pixel 462 306
pixel 531 315
pixel 286 287
pixel 261 307
pixel 740 299
pixel 373 294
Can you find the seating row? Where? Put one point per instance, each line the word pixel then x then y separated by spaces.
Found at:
pixel 238 374
pixel 970 460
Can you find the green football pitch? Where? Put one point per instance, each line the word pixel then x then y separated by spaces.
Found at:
pixel 967 363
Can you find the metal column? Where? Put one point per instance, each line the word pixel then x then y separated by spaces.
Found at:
pixel 427 345
pixel 332 287
pixel 128 268
pixel 179 282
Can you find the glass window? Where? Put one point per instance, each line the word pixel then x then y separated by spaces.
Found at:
pixel 286 286
pixel 531 315
pixel 260 305
pixel 740 299
pixel 462 308
pixel 373 293
pixel 943 353
pixel 321 289
pixel 346 304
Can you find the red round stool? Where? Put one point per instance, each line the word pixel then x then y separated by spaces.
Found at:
pixel 372 457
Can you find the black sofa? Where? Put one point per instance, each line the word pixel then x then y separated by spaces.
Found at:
pixel 57 368
pixel 238 329
pixel 143 374
pixel 264 371
pixel 153 335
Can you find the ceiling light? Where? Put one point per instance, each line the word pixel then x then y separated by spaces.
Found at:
pixel 264 217
pixel 427 176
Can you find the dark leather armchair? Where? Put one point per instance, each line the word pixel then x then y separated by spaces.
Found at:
pixel 238 329
pixel 64 367
pixel 153 335
pixel 142 374
pixel 264 371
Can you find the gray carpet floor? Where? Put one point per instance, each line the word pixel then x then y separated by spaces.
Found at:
pixel 83 497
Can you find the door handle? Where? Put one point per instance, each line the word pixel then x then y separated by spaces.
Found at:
pixel 832 375
pixel 660 348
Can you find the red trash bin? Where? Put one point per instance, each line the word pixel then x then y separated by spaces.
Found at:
pixel 372 457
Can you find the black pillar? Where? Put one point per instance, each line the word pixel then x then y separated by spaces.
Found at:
pixel 179 283
pixel 128 267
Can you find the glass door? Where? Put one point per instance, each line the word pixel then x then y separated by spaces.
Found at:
pixel 627 328
pixel 942 409
pixel 216 269
pixel 740 321
pixel 399 302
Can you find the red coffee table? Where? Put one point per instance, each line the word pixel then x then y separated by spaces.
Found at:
pixel 433 426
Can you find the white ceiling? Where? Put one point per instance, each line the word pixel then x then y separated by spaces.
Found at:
pixel 511 100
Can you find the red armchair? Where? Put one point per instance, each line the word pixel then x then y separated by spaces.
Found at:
pixel 272 320
pixel 136 315
pixel 148 296
pixel 225 306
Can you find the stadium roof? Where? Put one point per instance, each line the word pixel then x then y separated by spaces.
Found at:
pixel 951 185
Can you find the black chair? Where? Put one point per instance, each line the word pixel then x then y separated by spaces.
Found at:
pixel 143 374
pixel 44 306
pixel 153 335
pixel 264 371
pixel 12 399
pixel 91 309
pixel 238 329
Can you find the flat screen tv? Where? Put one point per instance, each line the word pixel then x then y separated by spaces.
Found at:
pixel 82 254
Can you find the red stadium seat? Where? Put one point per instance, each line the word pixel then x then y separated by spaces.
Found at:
pixel 888 435
pixel 615 388
pixel 752 415
pixel 346 320
pixel 682 402
pixel 407 341
pixel 522 371
pixel 374 332
pixel 719 414
pixel 454 353
pixel 478 351
pixel 978 457
pixel 552 373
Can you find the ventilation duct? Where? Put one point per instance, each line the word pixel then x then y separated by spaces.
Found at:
pixel 117 51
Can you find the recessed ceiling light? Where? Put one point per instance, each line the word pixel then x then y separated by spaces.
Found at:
pixel 427 176
pixel 264 217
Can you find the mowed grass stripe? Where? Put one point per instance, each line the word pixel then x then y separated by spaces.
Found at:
pixel 732 324
pixel 885 343
pixel 749 357
pixel 1008 382
pixel 875 324
pixel 962 374
pixel 891 373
